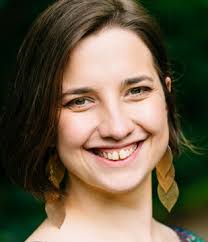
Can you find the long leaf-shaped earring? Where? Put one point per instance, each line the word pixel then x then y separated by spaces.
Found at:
pixel 54 206
pixel 55 170
pixel 167 189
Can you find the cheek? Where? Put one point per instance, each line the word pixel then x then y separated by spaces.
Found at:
pixel 152 114
pixel 74 129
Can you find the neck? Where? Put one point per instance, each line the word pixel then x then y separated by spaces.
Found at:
pixel 127 211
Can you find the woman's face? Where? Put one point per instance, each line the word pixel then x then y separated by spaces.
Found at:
pixel 112 103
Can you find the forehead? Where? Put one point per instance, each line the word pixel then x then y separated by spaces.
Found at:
pixel 110 55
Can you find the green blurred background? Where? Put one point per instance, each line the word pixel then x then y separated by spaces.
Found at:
pixel 185 27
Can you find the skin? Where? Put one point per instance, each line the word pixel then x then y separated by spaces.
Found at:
pixel 118 199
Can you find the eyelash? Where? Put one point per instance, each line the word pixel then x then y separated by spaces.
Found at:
pixel 142 90
pixel 73 102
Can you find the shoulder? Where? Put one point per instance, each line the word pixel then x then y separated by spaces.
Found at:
pixel 186 235
pixel 44 233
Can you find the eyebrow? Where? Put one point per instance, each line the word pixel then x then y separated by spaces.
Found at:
pixel 126 82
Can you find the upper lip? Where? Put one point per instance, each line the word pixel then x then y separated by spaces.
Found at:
pixel 116 146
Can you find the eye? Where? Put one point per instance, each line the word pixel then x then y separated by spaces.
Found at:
pixel 138 90
pixel 78 103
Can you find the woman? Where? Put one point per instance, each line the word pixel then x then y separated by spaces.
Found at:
pixel 92 113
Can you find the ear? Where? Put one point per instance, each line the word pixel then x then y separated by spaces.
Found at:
pixel 168 83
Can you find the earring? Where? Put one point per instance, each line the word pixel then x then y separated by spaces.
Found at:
pixel 55 171
pixel 54 205
pixel 167 189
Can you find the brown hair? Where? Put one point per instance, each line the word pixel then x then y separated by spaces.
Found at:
pixel 29 126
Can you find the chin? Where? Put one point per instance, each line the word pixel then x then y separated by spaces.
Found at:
pixel 118 186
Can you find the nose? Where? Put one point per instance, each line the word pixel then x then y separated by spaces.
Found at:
pixel 115 124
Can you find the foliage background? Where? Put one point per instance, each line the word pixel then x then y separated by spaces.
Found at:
pixel 184 24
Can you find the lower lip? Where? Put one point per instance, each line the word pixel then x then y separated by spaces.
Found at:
pixel 119 163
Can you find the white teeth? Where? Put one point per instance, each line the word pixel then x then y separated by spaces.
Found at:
pixel 105 155
pixel 109 156
pixel 115 155
pixel 122 154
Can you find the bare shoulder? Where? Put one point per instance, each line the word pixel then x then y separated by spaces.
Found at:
pixel 44 233
pixel 166 233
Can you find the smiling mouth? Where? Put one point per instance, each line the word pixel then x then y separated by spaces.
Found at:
pixel 118 154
